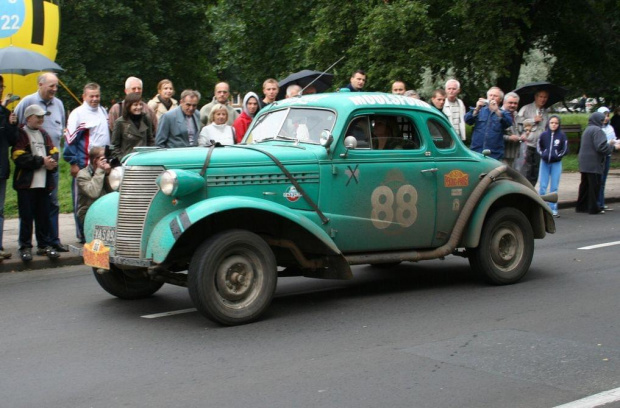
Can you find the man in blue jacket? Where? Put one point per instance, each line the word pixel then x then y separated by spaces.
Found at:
pixel 489 122
pixel 180 127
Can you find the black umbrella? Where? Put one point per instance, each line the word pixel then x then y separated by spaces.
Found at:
pixel 304 78
pixel 20 61
pixel 526 92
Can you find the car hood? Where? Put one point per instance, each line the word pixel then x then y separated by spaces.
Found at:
pixel 229 156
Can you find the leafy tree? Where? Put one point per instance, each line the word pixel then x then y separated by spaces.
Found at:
pixel 106 41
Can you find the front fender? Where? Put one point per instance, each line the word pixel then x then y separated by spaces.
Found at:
pixel 540 215
pixel 170 228
pixel 102 212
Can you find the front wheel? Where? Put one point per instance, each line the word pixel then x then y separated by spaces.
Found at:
pixel 506 247
pixel 232 277
pixel 126 285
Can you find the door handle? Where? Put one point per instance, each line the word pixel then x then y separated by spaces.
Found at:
pixel 433 170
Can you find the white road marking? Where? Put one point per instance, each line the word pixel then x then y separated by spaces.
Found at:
pixel 165 314
pixel 601 245
pixel 596 400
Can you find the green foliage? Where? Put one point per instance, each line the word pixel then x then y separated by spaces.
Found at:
pixel 195 43
pixel 106 41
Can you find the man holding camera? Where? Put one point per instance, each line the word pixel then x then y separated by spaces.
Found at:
pixel 87 127
pixel 92 181
pixel 489 123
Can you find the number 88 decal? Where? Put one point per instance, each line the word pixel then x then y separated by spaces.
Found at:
pixel 388 209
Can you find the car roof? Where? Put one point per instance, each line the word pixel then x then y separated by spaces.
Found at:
pixel 349 101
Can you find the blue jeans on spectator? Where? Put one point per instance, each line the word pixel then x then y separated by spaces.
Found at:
pixel 54 210
pixel 601 194
pixel 2 197
pixel 550 173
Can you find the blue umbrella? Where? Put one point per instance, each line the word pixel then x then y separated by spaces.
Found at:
pixel 20 61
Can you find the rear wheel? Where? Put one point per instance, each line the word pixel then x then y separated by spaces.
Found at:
pixel 232 277
pixel 506 247
pixel 126 284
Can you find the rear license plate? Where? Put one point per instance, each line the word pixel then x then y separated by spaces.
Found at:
pixel 105 234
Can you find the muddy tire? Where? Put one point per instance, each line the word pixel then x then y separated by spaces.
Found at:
pixel 126 284
pixel 506 248
pixel 232 277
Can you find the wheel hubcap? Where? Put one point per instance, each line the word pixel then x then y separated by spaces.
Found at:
pixel 235 278
pixel 505 247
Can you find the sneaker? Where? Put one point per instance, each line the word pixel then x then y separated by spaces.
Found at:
pixel 52 253
pixel 25 254
pixel 60 248
pixel 4 254
pixel 556 215
pixel 41 251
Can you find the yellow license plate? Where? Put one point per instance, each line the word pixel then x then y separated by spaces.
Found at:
pixel 96 254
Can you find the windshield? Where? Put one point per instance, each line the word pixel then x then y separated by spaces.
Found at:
pixel 303 125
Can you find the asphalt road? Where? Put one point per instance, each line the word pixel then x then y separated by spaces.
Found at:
pixel 420 335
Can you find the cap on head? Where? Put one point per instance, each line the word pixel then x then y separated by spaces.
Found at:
pixel 35 110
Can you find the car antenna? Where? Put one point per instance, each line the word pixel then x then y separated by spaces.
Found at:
pixel 322 73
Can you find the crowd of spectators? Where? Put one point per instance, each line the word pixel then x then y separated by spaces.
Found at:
pixel 529 140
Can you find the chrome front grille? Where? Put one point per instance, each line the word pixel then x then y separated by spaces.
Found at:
pixel 136 193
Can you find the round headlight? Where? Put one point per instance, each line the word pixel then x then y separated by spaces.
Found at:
pixel 168 182
pixel 116 177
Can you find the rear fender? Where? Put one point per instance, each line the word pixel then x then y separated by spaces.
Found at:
pixel 171 228
pixel 505 193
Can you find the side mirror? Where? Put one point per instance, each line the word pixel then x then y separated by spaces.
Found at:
pixel 350 142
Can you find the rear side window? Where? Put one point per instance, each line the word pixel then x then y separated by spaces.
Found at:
pixel 441 137
pixel 384 132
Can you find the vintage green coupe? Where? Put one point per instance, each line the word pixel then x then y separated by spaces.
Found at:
pixel 321 182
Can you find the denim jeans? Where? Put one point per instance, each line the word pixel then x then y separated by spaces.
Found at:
pixel 2 197
pixel 550 172
pixel 601 194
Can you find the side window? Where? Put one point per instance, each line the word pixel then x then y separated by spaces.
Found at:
pixel 360 128
pixel 441 137
pixel 394 133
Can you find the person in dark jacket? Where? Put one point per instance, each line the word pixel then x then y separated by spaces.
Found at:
pixel 36 161
pixel 552 146
pixel 8 136
pixel 592 151
pixel 132 129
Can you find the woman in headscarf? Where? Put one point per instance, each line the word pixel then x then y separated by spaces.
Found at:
pixel 132 129
pixel 163 101
pixel 592 151
pixel 249 109
pixel 552 146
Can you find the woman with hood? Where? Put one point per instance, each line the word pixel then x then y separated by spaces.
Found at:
pixel 593 149
pixel 552 146
pixel 249 109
